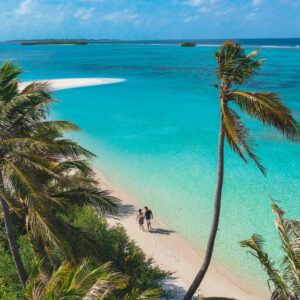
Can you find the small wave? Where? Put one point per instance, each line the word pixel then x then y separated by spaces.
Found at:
pixel 279 47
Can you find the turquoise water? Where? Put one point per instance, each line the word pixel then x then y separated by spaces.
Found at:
pixel 156 136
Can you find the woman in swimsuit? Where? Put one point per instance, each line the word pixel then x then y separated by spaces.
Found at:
pixel 140 218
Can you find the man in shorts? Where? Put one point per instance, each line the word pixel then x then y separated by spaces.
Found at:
pixel 148 217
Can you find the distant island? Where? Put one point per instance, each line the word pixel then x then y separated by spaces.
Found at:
pixel 61 41
pixel 188 44
pixel 54 42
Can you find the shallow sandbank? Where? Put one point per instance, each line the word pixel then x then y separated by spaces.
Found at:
pixel 68 83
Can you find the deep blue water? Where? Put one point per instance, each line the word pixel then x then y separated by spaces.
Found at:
pixel 156 135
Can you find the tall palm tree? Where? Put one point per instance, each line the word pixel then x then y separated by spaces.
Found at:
pixel 234 69
pixel 34 154
pixel 286 282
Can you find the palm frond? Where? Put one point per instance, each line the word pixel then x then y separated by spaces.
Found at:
pixel 290 240
pixel 90 195
pixel 82 282
pixel 61 126
pixel 234 66
pixel 268 108
pixel 77 165
pixel 238 136
pixel 8 81
pixel 136 294
pixel 255 244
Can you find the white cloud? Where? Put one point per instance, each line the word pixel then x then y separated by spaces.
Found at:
pixel 194 2
pixel 24 8
pixel 121 16
pixel 252 16
pixel 191 19
pixel 202 6
pixel 83 13
pixel 203 3
pixel 257 2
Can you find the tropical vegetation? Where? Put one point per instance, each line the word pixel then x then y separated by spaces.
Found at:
pixel 82 282
pixel 188 44
pixel 283 277
pixel 45 179
pixel 235 68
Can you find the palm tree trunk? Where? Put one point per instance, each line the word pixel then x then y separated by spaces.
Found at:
pixel 13 244
pixel 214 228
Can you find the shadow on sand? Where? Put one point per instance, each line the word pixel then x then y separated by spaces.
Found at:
pixel 172 289
pixel 124 210
pixel 161 231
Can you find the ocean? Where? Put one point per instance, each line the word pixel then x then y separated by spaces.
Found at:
pixel 156 134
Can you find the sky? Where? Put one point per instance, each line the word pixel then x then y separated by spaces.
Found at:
pixel 149 19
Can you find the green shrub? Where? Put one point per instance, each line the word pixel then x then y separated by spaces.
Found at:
pixel 10 286
pixel 112 243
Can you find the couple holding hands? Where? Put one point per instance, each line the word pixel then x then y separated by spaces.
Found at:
pixel 147 215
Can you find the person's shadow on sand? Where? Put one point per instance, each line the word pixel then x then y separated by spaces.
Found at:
pixel 161 231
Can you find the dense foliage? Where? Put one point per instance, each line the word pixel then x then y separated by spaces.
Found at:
pixel 112 242
pixel 47 192
pixel 115 246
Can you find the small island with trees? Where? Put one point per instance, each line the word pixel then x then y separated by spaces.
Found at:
pixel 188 44
pixel 54 42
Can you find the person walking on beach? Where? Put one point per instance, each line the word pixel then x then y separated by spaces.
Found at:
pixel 148 216
pixel 140 218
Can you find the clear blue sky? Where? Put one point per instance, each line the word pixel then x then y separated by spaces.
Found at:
pixel 149 19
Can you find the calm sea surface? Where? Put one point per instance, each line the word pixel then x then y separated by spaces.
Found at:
pixel 156 136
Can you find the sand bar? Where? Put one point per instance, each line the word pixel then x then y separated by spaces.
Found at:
pixel 68 83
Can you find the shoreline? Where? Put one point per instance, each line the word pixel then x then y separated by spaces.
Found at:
pixel 172 252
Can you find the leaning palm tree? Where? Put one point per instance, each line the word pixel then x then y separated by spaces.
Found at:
pixel 286 282
pixel 234 69
pixel 33 152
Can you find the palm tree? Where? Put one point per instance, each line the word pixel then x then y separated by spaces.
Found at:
pixel 84 281
pixel 234 69
pixel 286 282
pixel 68 282
pixel 45 225
pixel 34 154
pixel 16 110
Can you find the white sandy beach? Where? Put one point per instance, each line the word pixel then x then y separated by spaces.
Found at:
pixel 173 253
pixel 169 250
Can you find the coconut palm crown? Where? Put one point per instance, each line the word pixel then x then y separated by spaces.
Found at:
pixel 235 68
